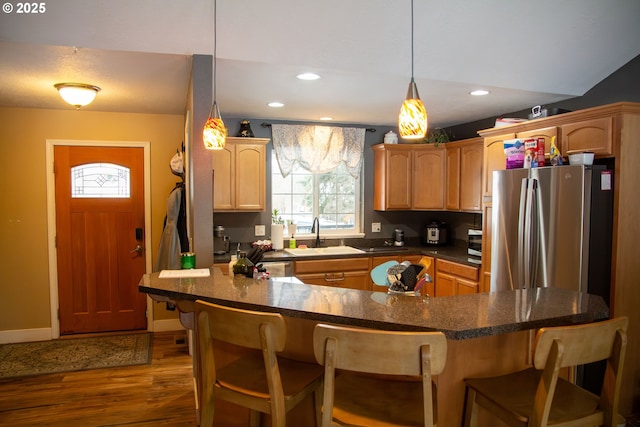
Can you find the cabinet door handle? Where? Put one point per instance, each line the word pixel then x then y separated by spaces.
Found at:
pixel 333 277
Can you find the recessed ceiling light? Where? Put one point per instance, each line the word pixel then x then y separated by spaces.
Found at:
pixel 275 104
pixel 308 76
pixel 479 92
pixel 326 118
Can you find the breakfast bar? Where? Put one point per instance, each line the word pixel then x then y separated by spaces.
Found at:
pixel 487 333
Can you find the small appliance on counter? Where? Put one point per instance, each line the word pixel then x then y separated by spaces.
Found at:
pixel 220 241
pixel 474 242
pixel 398 237
pixel 436 234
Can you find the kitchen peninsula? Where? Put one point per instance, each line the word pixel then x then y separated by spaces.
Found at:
pixel 487 333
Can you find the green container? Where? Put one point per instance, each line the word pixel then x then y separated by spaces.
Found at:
pixel 188 260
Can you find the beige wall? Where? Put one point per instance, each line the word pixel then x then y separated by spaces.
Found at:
pixel 24 278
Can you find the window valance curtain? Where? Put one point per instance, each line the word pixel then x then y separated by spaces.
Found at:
pixel 318 149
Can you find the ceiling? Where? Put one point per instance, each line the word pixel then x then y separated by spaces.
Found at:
pixel 525 52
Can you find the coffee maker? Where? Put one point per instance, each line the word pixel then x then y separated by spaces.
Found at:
pixel 398 237
pixel 220 241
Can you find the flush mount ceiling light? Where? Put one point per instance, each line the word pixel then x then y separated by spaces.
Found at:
pixel 275 104
pixel 308 76
pixel 77 94
pixel 214 134
pixel 412 121
pixel 479 92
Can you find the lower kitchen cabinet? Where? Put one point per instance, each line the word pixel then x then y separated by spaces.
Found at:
pixel 352 273
pixel 455 279
pixel 338 279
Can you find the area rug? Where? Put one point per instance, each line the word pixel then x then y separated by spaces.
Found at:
pixel 74 354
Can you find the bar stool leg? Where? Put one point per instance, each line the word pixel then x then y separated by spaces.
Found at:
pixel 471 409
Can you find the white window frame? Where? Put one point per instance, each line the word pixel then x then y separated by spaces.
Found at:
pixel 356 232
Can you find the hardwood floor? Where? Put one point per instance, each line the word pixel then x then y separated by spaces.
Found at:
pixel 159 394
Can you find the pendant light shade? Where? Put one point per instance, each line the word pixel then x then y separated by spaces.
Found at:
pixel 412 120
pixel 214 133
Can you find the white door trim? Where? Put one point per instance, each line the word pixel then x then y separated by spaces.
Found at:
pixel 51 218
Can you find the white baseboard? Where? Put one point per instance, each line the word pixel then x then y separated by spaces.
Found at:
pixel 25 335
pixel 167 325
pixel 44 334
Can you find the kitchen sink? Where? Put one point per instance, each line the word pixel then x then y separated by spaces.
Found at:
pixel 385 249
pixel 329 250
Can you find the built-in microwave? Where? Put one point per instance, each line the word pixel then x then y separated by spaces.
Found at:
pixel 474 242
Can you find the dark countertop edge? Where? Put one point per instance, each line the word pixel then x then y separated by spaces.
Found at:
pixel 455 253
pixel 383 325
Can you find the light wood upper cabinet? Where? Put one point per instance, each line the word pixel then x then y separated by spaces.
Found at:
pixel 392 180
pixel 494 160
pixel 239 175
pixel 464 175
pixel 595 135
pixel 408 177
pixel 428 176
pixel 453 177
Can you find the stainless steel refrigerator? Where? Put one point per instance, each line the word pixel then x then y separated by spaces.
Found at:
pixel 552 226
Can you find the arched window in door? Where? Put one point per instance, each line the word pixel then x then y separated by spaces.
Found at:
pixel 100 180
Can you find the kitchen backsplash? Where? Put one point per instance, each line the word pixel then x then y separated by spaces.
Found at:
pixel 239 227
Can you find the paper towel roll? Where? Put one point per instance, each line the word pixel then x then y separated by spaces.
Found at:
pixel 277 231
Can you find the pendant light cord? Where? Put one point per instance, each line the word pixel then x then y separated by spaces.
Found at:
pixel 411 40
pixel 215 47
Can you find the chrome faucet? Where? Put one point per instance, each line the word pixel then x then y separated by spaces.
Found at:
pixel 316 223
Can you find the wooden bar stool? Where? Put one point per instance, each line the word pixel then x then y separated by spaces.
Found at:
pixel 402 395
pixel 538 397
pixel 260 380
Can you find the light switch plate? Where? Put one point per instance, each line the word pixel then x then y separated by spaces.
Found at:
pixel 260 230
pixel 375 227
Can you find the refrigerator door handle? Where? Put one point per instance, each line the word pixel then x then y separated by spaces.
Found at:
pixel 527 236
pixel 522 214
pixel 534 236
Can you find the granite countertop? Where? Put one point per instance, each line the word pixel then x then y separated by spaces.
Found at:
pixel 456 253
pixel 459 317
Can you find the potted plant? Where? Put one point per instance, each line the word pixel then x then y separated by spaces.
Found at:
pixel 277 230
pixel 276 218
pixel 437 136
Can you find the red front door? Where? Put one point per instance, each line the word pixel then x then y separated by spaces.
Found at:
pixel 99 224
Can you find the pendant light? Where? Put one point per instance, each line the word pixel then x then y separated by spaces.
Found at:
pixel 214 133
pixel 412 121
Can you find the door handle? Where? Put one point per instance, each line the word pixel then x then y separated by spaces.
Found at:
pixel 138 249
